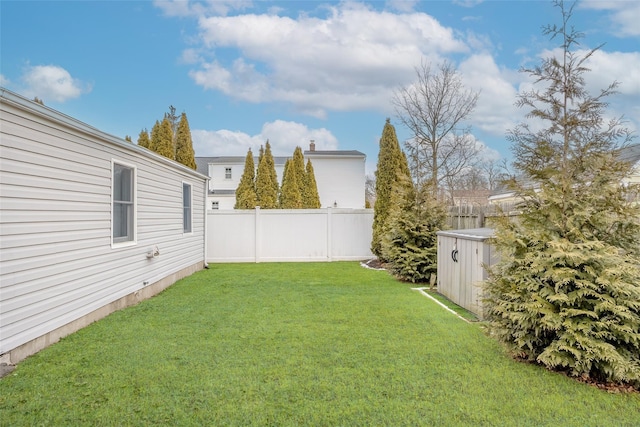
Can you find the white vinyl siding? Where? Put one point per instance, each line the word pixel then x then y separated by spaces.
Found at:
pixel 340 179
pixel 123 208
pixel 58 263
pixel 186 208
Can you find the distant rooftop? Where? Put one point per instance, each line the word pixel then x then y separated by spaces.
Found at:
pixel 631 153
pixel 202 163
pixel 355 153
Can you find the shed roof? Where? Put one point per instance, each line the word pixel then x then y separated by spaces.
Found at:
pixel 479 234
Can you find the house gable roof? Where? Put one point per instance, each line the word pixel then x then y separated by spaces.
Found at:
pixel 631 153
pixel 329 153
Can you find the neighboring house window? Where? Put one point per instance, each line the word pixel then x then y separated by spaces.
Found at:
pixel 123 203
pixel 215 205
pixel 186 208
pixel 227 173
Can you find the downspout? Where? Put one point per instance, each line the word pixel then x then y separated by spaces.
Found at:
pixel 206 220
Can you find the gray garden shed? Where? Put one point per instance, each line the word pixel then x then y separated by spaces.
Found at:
pixel 462 255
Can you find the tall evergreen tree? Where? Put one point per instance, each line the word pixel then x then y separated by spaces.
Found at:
pixel 267 180
pixel 311 197
pixel 143 139
pixel 184 144
pixel 164 144
pixel 566 292
pixel 392 166
pixel 260 154
pixel 298 167
pixel 290 196
pixel 410 243
pixel 246 192
pixel 155 136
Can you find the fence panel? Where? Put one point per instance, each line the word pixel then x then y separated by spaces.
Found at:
pixel 280 235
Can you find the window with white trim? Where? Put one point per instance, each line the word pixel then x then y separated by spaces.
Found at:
pixel 123 207
pixel 215 204
pixel 186 208
pixel 227 173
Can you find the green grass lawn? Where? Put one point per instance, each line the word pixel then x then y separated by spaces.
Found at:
pixel 320 344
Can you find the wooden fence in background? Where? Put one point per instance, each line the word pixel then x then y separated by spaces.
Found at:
pixel 469 216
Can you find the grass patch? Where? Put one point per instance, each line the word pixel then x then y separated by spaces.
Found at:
pixel 460 311
pixel 294 344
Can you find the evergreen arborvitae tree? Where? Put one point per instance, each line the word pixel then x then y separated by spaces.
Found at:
pixel 155 136
pixel 392 165
pixel 143 139
pixel 410 243
pixel 260 154
pixel 290 196
pixel 298 167
pixel 267 180
pixel 311 197
pixel 164 144
pixel 128 138
pixel 566 292
pixel 246 192
pixel 184 144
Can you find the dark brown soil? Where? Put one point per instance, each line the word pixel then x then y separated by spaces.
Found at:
pixel 374 263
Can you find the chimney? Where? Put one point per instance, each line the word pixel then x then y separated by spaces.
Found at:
pixel 312 145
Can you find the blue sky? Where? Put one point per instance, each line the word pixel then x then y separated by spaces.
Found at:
pixel 248 71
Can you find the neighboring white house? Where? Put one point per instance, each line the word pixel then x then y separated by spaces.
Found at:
pixel 224 176
pixel 89 224
pixel 632 155
pixel 340 177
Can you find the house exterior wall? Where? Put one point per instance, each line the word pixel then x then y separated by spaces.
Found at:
pixel 222 189
pixel 634 178
pixel 58 263
pixel 217 174
pixel 340 179
pixel 278 235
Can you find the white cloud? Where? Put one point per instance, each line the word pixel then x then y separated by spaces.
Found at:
pixel 625 15
pixel 607 67
pixel 184 8
pixel 402 5
pixel 283 136
pixel 190 56
pixel 4 81
pixel 619 66
pixel 494 111
pixel 349 60
pixel 467 3
pixel 52 83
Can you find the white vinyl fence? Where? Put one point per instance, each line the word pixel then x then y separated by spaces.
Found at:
pixel 274 235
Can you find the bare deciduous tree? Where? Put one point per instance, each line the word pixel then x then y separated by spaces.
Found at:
pixel 434 109
pixel 370 189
